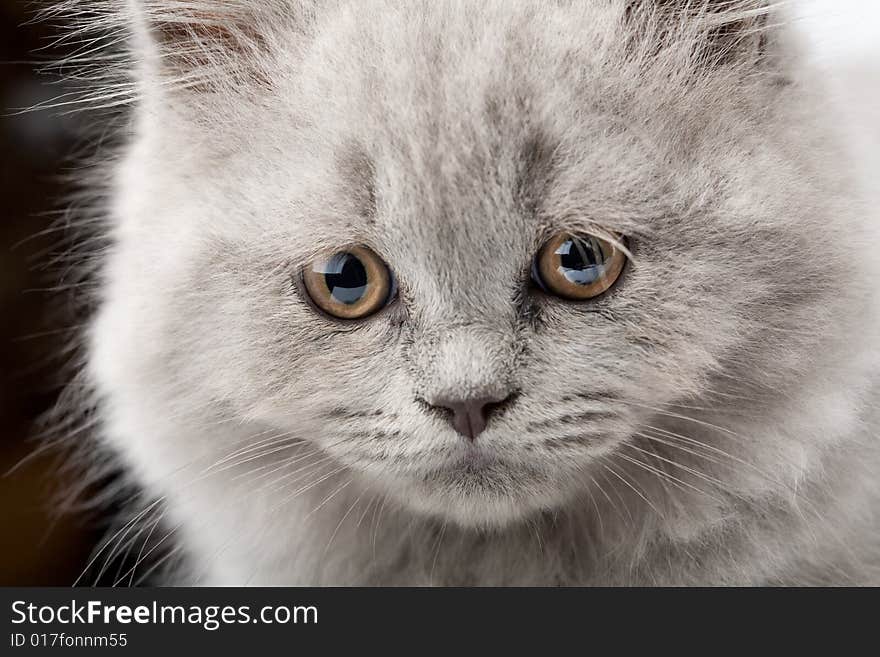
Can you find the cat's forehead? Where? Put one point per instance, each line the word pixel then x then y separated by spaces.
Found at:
pixel 436 129
pixel 429 66
pixel 450 216
pixel 443 134
pixel 445 126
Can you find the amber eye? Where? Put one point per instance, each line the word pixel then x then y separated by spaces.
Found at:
pixel 577 267
pixel 350 284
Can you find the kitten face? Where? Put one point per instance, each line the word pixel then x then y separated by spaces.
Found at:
pixel 453 143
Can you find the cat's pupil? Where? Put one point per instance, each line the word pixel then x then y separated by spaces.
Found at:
pixel 346 278
pixel 581 261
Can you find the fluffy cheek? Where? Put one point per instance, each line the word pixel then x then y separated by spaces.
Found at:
pixel 339 386
pixel 248 340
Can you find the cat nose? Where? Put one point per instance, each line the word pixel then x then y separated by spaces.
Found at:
pixel 471 415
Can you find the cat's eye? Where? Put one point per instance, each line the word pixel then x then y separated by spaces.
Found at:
pixel 577 267
pixel 349 284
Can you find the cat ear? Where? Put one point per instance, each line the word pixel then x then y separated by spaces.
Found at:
pixel 210 44
pixel 716 32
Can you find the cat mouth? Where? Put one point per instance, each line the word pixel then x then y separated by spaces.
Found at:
pixel 472 465
pixel 479 469
pixel 474 459
pixel 478 490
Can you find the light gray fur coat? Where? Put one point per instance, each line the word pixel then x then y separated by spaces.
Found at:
pixel 711 420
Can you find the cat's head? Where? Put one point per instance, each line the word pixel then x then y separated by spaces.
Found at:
pixel 371 226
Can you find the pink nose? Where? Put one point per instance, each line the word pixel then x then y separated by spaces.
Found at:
pixel 471 415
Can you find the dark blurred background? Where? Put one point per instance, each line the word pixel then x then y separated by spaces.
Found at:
pixel 39 544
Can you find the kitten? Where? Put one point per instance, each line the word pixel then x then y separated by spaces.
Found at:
pixel 488 293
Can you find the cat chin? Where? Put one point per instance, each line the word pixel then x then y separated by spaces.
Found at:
pixel 475 513
pixel 479 505
pixel 486 491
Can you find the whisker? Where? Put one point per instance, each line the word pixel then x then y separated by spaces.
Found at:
pixel 629 485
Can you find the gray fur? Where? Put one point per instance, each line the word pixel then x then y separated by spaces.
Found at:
pixel 712 420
